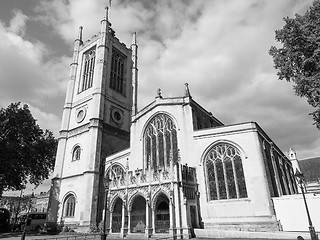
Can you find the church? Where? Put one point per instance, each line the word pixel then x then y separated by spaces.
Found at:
pixel 170 167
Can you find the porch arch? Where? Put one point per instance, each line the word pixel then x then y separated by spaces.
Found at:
pixel 161 208
pixel 138 214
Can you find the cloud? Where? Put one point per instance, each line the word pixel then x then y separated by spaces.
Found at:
pixel 219 47
pixel 65 17
pixel 18 22
pixel 46 119
pixel 25 74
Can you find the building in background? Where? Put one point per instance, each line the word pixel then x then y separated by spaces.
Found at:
pixel 40 202
pixel 310 167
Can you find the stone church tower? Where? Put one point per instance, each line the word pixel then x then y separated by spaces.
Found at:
pixel 95 123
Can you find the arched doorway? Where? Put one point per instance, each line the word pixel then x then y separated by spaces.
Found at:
pixel 117 216
pixel 138 215
pixel 162 218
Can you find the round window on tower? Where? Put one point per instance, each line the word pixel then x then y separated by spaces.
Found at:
pixel 80 114
pixel 117 115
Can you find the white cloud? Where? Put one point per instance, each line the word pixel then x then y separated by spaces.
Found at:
pixel 45 119
pixel 25 74
pixel 219 47
pixel 18 22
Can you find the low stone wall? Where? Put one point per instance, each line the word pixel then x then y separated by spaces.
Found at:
pixel 227 234
pixel 266 226
pixel 291 212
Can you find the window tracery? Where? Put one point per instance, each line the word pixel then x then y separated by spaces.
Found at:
pixel 69 206
pixel 160 142
pixel 116 174
pixel 88 70
pixel 224 173
pixel 117 74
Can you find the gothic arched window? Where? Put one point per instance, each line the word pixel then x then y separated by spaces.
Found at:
pixel 116 171
pixel 116 174
pixel 224 173
pixel 69 206
pixel 76 153
pixel 117 74
pixel 88 70
pixel 160 141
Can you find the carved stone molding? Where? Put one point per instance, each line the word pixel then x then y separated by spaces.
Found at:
pixel 114 195
pixel 134 192
pixel 157 190
pixel 78 130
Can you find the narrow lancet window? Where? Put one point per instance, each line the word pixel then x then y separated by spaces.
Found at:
pixel 117 74
pixel 76 153
pixel 88 70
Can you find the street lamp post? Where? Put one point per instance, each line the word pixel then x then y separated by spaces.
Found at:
pixel 106 182
pixel 23 236
pixel 301 180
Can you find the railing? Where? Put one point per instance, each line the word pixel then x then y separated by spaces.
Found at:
pixel 162 226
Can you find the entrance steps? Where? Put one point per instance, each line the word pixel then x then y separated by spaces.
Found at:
pixel 141 236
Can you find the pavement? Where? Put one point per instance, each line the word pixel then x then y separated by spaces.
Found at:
pixel 31 236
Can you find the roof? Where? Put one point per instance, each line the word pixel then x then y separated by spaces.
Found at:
pixel 310 168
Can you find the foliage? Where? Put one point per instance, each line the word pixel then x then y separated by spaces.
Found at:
pixel 298 61
pixel 27 152
pixel 15 205
pixel 97 228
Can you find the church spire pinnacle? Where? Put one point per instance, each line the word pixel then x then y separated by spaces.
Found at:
pixel 187 91
pixel 106 15
pixel 104 27
pixel 134 40
pixel 134 49
pixel 80 34
pixel 159 93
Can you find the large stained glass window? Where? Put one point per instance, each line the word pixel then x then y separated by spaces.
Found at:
pixel 160 141
pixel 224 173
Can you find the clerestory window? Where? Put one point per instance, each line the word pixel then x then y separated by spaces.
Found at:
pixel 160 142
pixel 88 70
pixel 224 173
pixel 117 74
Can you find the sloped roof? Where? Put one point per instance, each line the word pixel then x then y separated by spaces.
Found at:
pixel 310 168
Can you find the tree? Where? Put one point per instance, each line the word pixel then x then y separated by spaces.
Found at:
pixel 27 153
pixel 16 205
pixel 298 61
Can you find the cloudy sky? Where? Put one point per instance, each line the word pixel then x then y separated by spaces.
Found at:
pixel 220 47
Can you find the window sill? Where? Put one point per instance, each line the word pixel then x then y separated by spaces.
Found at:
pixel 230 200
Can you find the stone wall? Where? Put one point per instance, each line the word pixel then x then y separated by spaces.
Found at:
pixel 291 212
